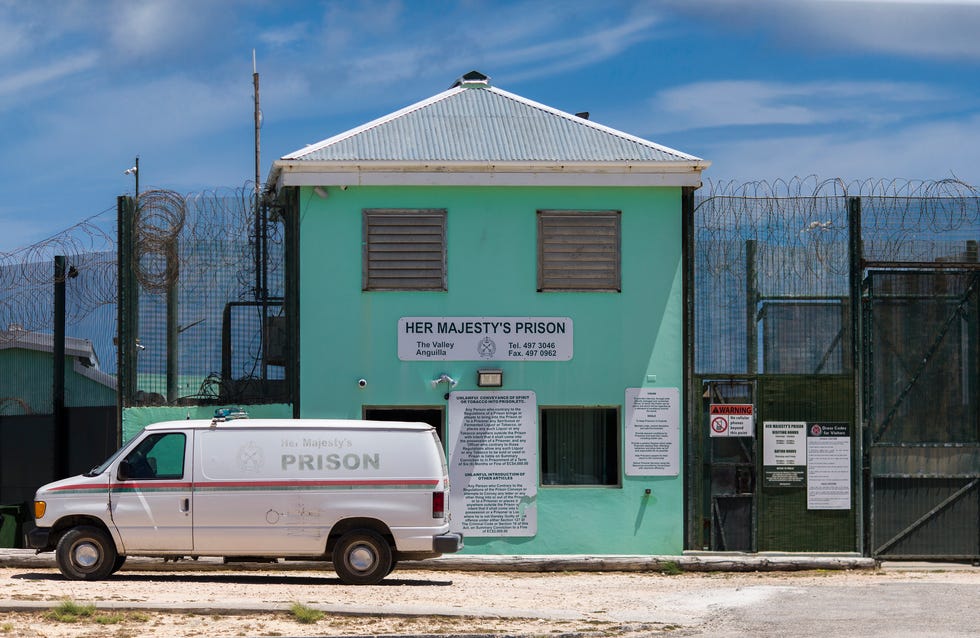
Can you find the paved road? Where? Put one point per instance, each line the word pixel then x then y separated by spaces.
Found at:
pixel 892 608
pixel 930 600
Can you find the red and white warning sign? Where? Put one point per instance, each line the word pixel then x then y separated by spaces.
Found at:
pixel 731 419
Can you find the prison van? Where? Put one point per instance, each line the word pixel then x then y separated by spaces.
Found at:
pixel 361 494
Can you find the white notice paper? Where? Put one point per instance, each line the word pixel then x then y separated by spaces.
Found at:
pixel 828 466
pixel 653 428
pixel 493 460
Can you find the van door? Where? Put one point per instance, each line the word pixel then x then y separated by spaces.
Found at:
pixel 150 494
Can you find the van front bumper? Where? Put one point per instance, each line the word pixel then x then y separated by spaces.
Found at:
pixel 39 538
pixel 447 543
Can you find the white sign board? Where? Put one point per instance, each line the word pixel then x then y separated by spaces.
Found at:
pixel 731 419
pixel 783 453
pixel 828 466
pixel 493 461
pixel 653 427
pixel 784 443
pixel 485 339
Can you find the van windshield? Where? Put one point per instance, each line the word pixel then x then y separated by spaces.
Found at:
pixel 95 471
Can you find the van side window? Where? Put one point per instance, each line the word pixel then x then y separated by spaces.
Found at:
pixel 158 456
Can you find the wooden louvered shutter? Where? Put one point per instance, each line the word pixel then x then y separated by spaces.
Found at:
pixel 579 250
pixel 404 249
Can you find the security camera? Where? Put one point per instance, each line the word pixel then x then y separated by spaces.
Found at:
pixel 362 383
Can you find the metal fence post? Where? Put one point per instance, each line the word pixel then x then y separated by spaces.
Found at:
pixel 856 275
pixel 58 364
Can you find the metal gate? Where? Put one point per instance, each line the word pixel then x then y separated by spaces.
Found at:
pixel 856 305
pixel 922 369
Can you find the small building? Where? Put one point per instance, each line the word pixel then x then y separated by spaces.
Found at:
pixel 86 384
pixel 512 274
pixel 30 438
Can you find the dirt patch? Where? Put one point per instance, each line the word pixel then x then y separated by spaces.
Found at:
pixel 227 603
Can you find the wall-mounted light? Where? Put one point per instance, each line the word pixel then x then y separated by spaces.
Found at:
pixel 444 378
pixel 490 378
pixel 321 192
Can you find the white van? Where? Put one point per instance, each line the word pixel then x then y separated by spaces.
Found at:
pixel 362 494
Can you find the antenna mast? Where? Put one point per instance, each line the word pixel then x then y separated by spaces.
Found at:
pixel 258 125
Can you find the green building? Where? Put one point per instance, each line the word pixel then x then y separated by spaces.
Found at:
pixel 30 354
pixel 512 274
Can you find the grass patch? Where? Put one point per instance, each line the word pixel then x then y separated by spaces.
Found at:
pixel 670 568
pixel 306 615
pixel 110 619
pixel 70 611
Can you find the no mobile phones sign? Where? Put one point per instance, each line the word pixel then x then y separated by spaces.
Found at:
pixel 731 419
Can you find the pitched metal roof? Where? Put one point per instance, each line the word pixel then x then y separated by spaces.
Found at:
pixel 476 127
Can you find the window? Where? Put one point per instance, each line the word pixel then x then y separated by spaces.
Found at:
pixel 580 446
pixel 158 456
pixel 404 249
pixel 578 250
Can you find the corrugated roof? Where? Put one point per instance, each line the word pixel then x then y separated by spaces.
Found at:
pixel 484 123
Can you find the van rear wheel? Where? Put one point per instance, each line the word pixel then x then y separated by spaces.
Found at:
pixel 86 553
pixel 362 557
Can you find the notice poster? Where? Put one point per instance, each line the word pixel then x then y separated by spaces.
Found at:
pixel 828 466
pixel 653 431
pixel 493 463
pixel 731 419
pixel 784 453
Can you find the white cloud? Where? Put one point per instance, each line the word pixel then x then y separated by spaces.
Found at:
pixel 33 78
pixel 584 49
pixel 926 28
pixel 285 35
pixel 935 150
pixel 755 102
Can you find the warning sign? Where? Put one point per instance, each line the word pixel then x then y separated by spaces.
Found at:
pixel 731 419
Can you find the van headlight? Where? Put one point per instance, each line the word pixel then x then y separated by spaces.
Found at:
pixel 39 508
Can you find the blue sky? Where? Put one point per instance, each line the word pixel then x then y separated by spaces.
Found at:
pixel 764 89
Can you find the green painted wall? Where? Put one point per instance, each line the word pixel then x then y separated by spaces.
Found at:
pixel 27 375
pixel 135 419
pixel 620 340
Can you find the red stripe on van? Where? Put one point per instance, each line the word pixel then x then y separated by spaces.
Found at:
pixel 83 487
pixel 254 485
pixel 316 483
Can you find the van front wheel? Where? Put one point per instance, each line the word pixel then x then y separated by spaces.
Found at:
pixel 86 553
pixel 362 557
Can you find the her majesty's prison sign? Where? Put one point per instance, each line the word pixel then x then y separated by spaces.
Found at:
pixel 485 339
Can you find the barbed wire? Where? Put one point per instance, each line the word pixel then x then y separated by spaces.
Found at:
pixel 192 240
pixel 800 226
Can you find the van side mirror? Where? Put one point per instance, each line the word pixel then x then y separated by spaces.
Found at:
pixel 125 471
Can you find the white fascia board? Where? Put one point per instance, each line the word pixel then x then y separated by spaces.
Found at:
pixel 310 173
pixel 95 374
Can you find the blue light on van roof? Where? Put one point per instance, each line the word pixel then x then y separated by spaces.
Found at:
pixel 230 414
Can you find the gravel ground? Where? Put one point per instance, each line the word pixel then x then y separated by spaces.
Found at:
pixel 257 603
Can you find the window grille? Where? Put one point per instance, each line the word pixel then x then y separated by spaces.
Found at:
pixel 579 251
pixel 404 249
